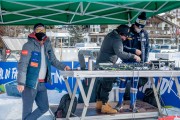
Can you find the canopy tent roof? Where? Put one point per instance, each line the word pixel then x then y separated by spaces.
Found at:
pixel 56 12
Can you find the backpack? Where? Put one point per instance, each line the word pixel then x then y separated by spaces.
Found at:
pixel 149 97
pixel 142 81
pixel 63 107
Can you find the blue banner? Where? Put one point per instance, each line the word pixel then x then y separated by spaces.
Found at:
pixel 167 91
pixel 8 72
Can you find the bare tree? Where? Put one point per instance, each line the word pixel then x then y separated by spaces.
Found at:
pixel 76 31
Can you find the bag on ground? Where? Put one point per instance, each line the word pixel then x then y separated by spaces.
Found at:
pixel 63 107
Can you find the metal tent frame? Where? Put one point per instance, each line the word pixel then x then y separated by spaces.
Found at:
pixel 79 11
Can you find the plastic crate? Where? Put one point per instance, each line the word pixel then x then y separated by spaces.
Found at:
pixel 11 89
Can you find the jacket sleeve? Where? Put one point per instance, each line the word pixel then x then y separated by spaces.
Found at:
pixel 23 64
pixel 54 61
pixel 146 47
pixel 118 49
pixel 130 50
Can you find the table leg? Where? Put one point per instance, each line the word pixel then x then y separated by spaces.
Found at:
pixel 177 86
pixel 86 98
pixel 156 95
pixel 159 83
pixel 72 100
pixel 68 87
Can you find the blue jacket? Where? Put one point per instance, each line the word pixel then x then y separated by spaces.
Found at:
pixel 135 43
pixel 30 61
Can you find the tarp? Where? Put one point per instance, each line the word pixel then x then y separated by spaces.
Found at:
pixel 56 12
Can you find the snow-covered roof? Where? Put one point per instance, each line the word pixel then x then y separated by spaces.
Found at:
pixel 55 34
pixel 14 43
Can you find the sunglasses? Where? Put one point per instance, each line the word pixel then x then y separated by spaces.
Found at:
pixel 40 30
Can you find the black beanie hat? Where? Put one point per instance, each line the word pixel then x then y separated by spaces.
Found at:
pixel 37 25
pixel 123 29
pixel 141 20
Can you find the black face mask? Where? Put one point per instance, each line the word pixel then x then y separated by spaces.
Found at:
pixel 40 36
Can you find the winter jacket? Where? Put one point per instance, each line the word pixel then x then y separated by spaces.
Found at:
pixel 135 43
pixel 112 48
pixel 30 61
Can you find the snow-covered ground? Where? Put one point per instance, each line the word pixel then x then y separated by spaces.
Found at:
pixel 11 107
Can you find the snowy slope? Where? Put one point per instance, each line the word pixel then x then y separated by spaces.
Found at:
pixel 11 107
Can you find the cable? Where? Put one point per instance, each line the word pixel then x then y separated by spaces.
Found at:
pixel 171 88
pixel 132 96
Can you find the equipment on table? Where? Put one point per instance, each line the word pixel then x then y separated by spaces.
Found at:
pixel 124 66
pixel 153 65
pixel 162 65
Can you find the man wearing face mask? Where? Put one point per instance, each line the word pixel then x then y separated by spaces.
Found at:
pixel 139 39
pixel 111 49
pixel 139 42
pixel 34 70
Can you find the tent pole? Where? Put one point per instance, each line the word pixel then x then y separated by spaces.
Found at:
pixel 129 20
pixel 61 49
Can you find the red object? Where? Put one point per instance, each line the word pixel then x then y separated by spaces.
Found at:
pixel 168 118
pixel 41 80
pixel 24 52
pixel 8 52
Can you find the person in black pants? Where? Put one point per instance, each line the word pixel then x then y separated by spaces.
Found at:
pixel 111 49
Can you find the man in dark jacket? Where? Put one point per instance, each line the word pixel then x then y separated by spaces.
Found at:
pixel 139 41
pixel 111 49
pixel 34 70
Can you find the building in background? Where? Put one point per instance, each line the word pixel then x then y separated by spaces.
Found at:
pixel 162 29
